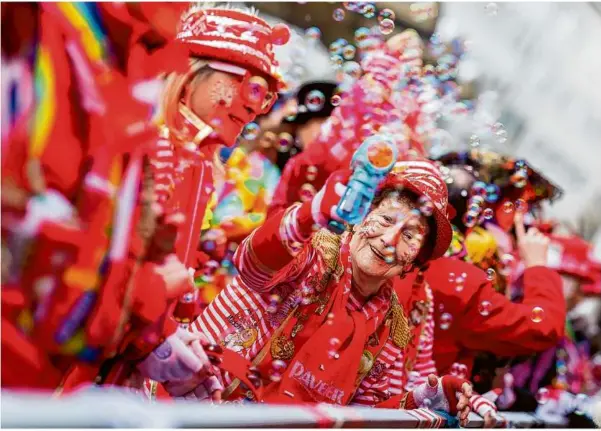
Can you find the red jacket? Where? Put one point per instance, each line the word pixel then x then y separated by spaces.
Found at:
pixel 483 320
pixel 71 137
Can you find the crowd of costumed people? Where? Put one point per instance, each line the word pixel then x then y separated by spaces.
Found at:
pixel 183 219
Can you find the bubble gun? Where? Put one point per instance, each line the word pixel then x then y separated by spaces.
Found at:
pixel 372 161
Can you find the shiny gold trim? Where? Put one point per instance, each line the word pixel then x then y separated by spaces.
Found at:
pixel 282 348
pixel 367 362
pixel 327 245
pixel 236 382
pixel 400 326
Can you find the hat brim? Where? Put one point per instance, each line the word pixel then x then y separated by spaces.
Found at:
pixel 444 230
pixel 235 58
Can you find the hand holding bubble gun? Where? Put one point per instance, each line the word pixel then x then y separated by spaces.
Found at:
pixel 372 161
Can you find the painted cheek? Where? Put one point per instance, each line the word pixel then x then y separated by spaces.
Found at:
pixel 222 93
pixel 367 229
pixel 407 255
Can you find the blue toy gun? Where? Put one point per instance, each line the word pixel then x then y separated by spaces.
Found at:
pixel 372 161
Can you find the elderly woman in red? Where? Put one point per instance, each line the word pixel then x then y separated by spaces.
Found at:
pixel 320 315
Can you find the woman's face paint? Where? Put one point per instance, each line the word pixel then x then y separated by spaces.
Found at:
pixel 227 102
pixel 388 240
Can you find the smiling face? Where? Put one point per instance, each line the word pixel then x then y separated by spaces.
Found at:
pixel 387 242
pixel 227 102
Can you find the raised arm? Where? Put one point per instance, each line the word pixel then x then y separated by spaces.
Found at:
pixel 279 241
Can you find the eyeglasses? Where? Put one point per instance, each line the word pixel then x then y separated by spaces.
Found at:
pixel 254 89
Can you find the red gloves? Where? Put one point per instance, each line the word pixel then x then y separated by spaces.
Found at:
pixel 322 208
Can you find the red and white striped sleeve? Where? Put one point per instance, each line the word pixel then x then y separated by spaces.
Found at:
pixel 251 270
pixel 384 381
pixel 424 361
pixel 272 252
pixel 163 160
pixel 482 405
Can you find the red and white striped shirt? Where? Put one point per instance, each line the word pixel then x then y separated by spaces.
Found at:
pixel 243 318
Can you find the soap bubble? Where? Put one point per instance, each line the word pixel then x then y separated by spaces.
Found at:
pixel 311 173
pixel 369 10
pixel 284 142
pixel 335 100
pixel 445 321
pixel 361 34
pixel 336 60
pixel 315 100
pixel 335 48
pixel 313 33
pixel 330 319
pixel 537 314
pixel 352 69
pixel 277 369
pixel 420 12
pixel 488 213
pixel 307 192
pixel 386 26
pixel 348 52
pixel 491 274
pixel 338 14
pixel 484 308
pixel 251 131
pixel 542 396
pixel 492 193
pixel 508 207
pixel 386 14
pixel 521 206
pixel 389 254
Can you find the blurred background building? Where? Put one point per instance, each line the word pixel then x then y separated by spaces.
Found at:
pixel 532 66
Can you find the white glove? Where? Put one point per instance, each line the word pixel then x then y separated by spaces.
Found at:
pixel 180 357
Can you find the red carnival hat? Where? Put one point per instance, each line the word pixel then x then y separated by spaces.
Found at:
pixel 233 36
pixel 570 255
pixel 422 177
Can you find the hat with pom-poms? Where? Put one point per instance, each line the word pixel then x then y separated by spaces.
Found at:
pixel 233 36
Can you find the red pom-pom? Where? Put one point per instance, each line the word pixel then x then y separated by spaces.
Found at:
pixel 280 34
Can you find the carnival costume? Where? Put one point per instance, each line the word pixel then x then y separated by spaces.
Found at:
pixel 76 198
pixel 472 285
pixel 293 296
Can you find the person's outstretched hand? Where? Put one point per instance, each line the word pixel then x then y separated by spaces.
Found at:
pixel 180 357
pixel 448 393
pixel 533 245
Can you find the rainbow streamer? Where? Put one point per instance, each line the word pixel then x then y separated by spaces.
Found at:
pixel 84 18
pixel 45 94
